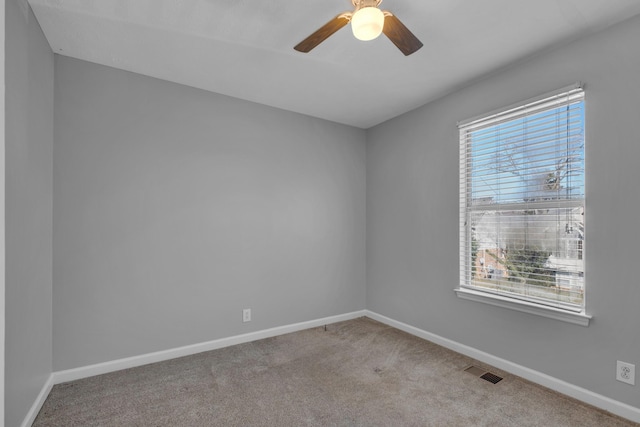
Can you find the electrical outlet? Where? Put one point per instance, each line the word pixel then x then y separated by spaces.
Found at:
pixel 626 372
pixel 246 315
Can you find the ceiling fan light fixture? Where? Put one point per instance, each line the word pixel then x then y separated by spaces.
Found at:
pixel 367 23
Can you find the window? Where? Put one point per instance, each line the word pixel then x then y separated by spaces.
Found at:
pixel 522 181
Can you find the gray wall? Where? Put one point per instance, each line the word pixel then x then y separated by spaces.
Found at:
pixel 412 217
pixel 175 209
pixel 29 145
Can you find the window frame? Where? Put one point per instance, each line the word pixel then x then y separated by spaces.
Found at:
pixel 546 308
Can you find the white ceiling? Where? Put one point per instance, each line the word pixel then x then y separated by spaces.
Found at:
pixel 244 48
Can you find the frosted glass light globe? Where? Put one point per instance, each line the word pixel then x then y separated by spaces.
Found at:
pixel 367 23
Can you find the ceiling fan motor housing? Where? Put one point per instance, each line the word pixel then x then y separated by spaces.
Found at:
pixel 359 4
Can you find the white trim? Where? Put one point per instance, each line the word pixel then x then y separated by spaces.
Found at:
pixel 615 407
pixel 159 356
pixel 581 319
pixel 538 204
pixel 569 88
pixel 37 405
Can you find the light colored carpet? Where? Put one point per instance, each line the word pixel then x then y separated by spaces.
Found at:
pixel 357 373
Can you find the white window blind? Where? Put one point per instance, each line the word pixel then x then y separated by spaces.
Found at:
pixel 522 181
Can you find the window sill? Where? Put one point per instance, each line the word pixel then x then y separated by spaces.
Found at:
pixel 581 319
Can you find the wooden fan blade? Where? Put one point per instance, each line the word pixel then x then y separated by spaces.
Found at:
pixel 323 32
pixel 400 35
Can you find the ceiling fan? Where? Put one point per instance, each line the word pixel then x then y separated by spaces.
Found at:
pixel 367 23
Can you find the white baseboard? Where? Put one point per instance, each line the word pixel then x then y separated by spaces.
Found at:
pixel 145 359
pixel 615 407
pixel 37 405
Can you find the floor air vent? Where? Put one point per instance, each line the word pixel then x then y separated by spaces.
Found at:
pixel 492 378
pixel 487 376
